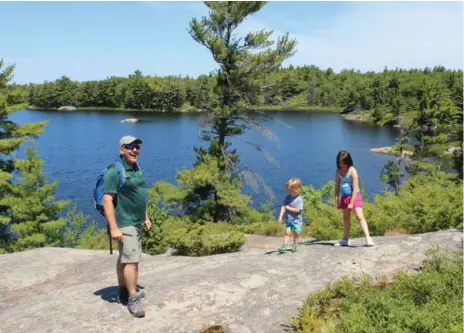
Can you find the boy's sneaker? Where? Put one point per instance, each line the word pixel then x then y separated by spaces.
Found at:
pixel 135 306
pixel 294 248
pixel 369 242
pixel 283 248
pixel 343 242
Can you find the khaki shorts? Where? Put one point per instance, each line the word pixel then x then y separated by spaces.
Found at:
pixel 130 248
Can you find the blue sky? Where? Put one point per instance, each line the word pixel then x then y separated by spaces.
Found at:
pixel 94 40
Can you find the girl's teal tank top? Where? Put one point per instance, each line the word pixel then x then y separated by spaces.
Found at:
pixel 346 184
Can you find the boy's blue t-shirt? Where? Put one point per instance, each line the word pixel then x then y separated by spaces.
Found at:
pixel 294 202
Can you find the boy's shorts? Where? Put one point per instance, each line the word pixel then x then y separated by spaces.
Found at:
pixel 295 226
pixel 130 248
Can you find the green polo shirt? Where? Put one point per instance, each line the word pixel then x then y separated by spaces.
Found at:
pixel 131 199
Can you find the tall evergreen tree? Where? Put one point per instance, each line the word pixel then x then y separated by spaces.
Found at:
pixel 242 62
pixel 211 190
pixel 11 137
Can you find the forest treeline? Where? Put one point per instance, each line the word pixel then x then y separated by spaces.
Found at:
pixel 393 92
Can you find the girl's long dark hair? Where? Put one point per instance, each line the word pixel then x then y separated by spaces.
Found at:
pixel 345 157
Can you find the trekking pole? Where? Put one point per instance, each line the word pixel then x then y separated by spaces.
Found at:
pixel 109 236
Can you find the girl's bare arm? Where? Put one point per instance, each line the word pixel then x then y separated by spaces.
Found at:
pixel 354 174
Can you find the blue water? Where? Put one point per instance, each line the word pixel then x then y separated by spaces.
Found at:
pixel 77 145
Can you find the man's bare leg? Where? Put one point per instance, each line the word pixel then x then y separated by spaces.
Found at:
pixel 120 273
pixel 136 275
pixel 130 277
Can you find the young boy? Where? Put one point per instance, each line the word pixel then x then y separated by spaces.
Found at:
pixel 292 211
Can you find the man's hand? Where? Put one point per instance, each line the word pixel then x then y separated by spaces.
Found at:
pixel 116 234
pixel 148 223
pixel 280 221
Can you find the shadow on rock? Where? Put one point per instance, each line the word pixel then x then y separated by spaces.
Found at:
pixel 316 242
pixel 287 328
pixel 271 252
pixel 110 294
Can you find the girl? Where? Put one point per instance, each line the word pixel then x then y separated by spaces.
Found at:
pixel 348 197
pixel 292 208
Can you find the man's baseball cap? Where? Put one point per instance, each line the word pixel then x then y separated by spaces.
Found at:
pixel 128 139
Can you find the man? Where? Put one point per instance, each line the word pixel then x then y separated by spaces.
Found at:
pixel 125 211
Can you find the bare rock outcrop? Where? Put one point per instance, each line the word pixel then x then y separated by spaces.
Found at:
pixel 452 150
pixel 253 291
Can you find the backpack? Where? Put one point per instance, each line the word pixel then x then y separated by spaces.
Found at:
pixel 98 192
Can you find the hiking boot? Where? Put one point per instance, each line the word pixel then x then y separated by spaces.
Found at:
pixel 123 295
pixel 294 248
pixel 135 306
pixel 343 242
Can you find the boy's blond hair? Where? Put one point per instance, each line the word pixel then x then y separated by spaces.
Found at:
pixel 294 184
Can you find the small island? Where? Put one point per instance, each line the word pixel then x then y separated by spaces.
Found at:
pixel 391 151
pixel 129 120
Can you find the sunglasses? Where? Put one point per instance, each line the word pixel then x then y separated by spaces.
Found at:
pixel 131 147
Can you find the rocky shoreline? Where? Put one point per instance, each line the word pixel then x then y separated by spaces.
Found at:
pixel 391 151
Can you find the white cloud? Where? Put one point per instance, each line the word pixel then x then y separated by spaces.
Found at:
pixel 370 36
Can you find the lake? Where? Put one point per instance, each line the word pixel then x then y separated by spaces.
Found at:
pixel 76 146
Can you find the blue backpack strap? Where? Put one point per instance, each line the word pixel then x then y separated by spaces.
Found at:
pixel 122 173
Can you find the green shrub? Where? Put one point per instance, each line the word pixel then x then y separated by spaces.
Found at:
pixel 252 216
pixel 262 228
pixel 259 222
pixel 193 239
pixel 95 238
pixel 429 201
pixel 154 239
pixel 328 224
pixel 430 301
pixel 426 203
pixel 83 235
pixel 405 147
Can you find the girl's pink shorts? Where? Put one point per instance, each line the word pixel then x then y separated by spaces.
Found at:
pixel 358 202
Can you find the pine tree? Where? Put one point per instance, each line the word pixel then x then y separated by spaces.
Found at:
pixel 11 137
pixel 243 63
pixel 11 134
pixel 30 207
pixel 391 174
